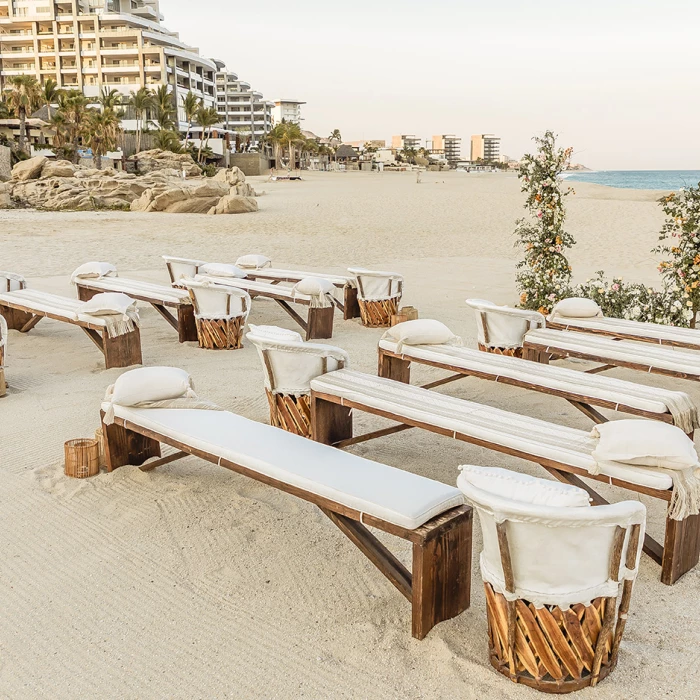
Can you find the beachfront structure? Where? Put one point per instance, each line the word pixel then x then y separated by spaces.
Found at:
pixel 288 111
pixel 241 108
pixel 448 146
pixel 88 45
pixel 405 142
pixel 485 147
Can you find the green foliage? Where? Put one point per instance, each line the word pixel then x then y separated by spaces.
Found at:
pixel 544 274
pixel 167 140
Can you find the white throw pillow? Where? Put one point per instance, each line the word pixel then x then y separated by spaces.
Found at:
pixel 221 270
pixel 94 270
pixel 524 488
pixel 577 307
pixel 313 286
pixel 422 331
pixel 108 303
pixel 646 443
pixel 255 262
pixel 275 333
pixel 150 384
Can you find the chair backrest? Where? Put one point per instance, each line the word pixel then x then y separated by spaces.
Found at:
pixel 3 340
pixel 503 326
pixel 375 285
pixel 216 301
pixel 181 267
pixel 290 365
pixel 11 282
pixel 552 555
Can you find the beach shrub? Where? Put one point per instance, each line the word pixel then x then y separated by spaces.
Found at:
pixel 544 274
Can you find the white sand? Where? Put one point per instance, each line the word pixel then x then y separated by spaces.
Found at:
pixel 193 582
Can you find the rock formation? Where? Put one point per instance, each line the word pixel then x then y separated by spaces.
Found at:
pixel 59 185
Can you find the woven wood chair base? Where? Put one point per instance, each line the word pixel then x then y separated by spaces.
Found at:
pixel 554 648
pixel 377 314
pixel 509 352
pixel 220 334
pixel 291 413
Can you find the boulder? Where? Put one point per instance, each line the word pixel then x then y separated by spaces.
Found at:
pixel 58 168
pixel 193 205
pixel 244 189
pixel 210 188
pixel 232 176
pixel 28 169
pixel 143 202
pixel 235 204
pixel 162 201
pixel 155 159
pixel 6 201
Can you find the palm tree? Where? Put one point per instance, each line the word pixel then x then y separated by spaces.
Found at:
pixel 336 137
pixel 49 94
pixel 206 118
pixel 292 136
pixel 140 101
pixel 59 126
pixel 100 130
pixel 190 106
pixel 167 140
pixel 110 99
pixel 4 109
pixel 164 108
pixel 74 107
pixel 23 95
pixel 276 137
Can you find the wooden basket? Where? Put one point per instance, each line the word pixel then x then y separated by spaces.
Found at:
pixel 291 413
pixel 554 648
pixel 220 334
pixel 377 314
pixel 509 352
pixel 406 313
pixel 82 458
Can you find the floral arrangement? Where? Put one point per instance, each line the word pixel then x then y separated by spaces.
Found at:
pixel 544 274
pixel 681 271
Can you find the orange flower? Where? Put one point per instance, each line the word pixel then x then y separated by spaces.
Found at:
pixel 696 259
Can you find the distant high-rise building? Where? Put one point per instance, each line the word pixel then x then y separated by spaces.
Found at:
pixel 240 107
pixel 288 111
pixel 447 145
pixel 485 147
pixel 405 142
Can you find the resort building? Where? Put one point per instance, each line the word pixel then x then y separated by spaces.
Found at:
pixel 448 146
pixel 88 45
pixel 241 108
pixel 406 142
pixel 485 147
pixel 288 111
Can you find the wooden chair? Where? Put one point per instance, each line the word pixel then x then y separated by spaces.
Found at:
pixel 354 493
pixel 558 584
pixel 566 453
pixel 220 314
pixel 178 268
pixel 378 296
pixel 289 366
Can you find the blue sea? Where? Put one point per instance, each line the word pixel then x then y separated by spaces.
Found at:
pixel 639 179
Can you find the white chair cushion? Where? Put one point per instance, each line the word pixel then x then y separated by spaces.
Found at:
pixel 108 303
pixel 253 261
pixel 93 270
pixel 524 488
pixel 577 307
pixel 645 443
pixel 422 331
pixel 394 495
pixel 274 333
pixel 222 270
pixel 150 384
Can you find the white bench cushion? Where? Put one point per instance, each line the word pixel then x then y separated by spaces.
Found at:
pixel 45 303
pixel 271 273
pixel 157 293
pixel 396 496
pixel 588 386
pixel 645 354
pixel 532 436
pixel 255 288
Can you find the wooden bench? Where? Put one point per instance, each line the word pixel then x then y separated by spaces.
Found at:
pixel 319 322
pixel 349 306
pixel 564 452
pixel 351 491
pixel 582 390
pixel 24 308
pixel 160 296
pixel 545 344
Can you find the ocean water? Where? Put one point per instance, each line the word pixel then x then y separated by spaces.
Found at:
pixel 639 179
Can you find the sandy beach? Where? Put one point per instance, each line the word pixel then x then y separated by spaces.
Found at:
pixel 194 582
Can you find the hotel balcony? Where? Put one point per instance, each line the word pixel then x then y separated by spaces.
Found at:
pixel 124 68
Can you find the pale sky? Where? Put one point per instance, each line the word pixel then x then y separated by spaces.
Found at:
pixel 619 80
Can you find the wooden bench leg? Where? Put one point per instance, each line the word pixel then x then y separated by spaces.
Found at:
pixel 394 368
pixel 330 422
pixel 86 294
pixel 681 548
pixel 123 350
pixel 17 320
pixel 351 307
pixel 442 576
pixel 535 355
pixel 123 446
pixel 186 325
pixel 320 323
